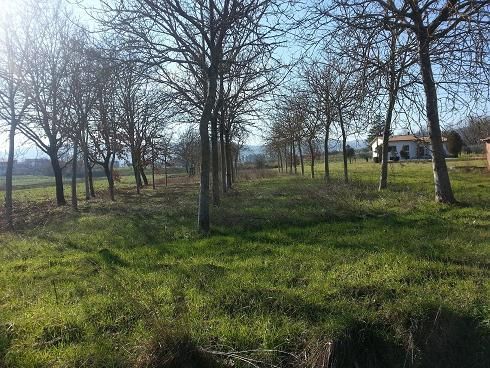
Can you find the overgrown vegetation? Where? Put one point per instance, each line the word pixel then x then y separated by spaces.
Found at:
pixel 295 273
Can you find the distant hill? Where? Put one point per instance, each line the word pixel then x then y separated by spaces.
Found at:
pixel 253 150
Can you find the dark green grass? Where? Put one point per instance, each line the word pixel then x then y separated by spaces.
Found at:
pixel 291 264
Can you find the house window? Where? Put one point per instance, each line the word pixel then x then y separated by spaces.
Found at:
pixel 405 152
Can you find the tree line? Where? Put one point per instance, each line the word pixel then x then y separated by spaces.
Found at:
pixel 379 63
pixel 113 93
pixel 116 86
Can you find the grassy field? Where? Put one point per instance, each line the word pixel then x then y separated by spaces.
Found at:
pixel 295 272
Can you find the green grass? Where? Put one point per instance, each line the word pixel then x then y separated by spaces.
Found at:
pixel 291 265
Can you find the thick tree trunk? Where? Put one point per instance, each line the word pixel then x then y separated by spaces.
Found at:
pixel 143 175
pixel 223 156
pixel 137 177
pixel 442 184
pixel 91 181
pixel 203 216
pixel 58 177
pixel 108 170
pixel 215 159
pixel 300 150
pixel 74 168
pixel 344 146
pixel 325 148
pixel 9 207
pixel 312 153
pixel 279 161
pixel 136 171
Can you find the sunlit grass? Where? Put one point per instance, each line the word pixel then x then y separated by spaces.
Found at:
pixel 292 263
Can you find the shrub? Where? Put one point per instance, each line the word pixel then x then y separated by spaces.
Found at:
pixel 454 143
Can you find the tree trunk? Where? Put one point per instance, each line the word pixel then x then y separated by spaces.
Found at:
pixel 137 177
pixel 215 159
pixel 301 158
pixel 58 177
pixel 88 193
pixel 325 148
pixel 236 167
pixel 286 157
pixel 203 216
pixel 383 180
pixel 312 153
pixel 74 168
pixel 143 175
pixel 223 155
pixel 229 161
pixel 393 87
pixel 136 171
pixel 153 173
pixel 344 146
pixel 91 181
pixel 442 184
pixel 9 207
pixel 108 170
pixel 295 163
pixel 165 168
pixel 233 168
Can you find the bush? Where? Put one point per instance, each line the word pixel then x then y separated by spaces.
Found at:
pixel 454 143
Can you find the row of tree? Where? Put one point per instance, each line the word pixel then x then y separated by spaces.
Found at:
pixel 75 93
pixel 112 91
pixel 382 61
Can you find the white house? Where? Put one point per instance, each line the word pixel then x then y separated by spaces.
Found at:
pixel 405 147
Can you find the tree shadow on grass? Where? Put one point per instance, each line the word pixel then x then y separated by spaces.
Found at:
pixel 438 339
pixel 111 258
pixel 6 331
pixel 446 339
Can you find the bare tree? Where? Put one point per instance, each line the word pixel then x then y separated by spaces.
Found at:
pixel 105 127
pixel 46 77
pixel 83 94
pixel 451 48
pixel 197 35
pixel 187 149
pixel 13 99
pixel 319 78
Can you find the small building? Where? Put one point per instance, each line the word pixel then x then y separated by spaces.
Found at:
pixel 486 141
pixel 36 163
pixel 405 147
pixel 3 166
